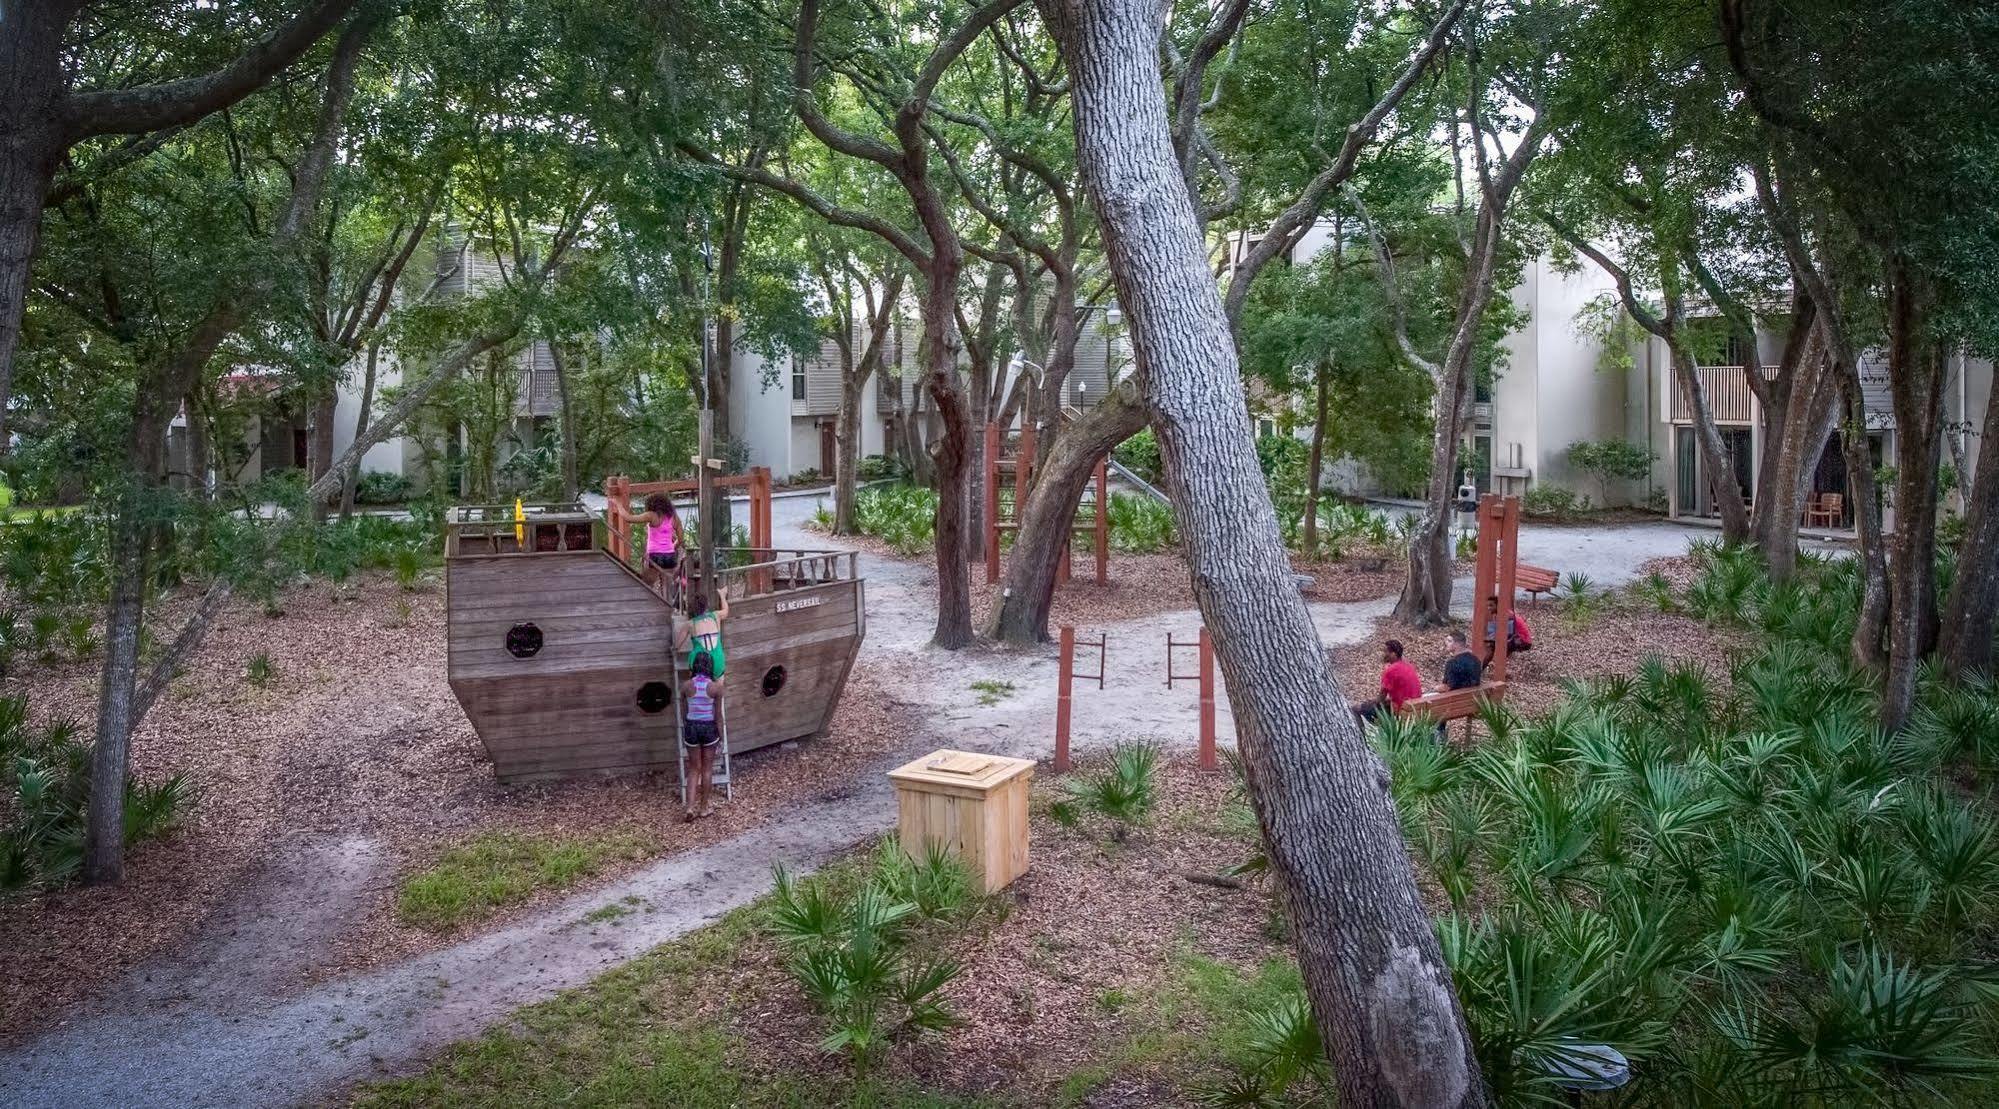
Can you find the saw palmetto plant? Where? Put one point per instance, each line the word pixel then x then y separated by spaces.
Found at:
pixel 1730 874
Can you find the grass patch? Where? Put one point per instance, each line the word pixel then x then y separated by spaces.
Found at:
pixel 992 692
pixel 629 1039
pixel 495 869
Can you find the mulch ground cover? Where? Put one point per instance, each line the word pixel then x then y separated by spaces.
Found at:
pixel 1613 639
pixel 355 733
pixel 1078 984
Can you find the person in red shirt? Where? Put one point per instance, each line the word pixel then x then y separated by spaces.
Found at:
pixel 1399 683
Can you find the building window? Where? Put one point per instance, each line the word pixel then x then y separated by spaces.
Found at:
pixel 798 380
pixel 1266 428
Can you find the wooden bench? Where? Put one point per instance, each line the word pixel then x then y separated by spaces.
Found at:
pixel 1454 704
pixel 1536 580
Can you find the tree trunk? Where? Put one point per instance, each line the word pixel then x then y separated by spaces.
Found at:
pixel 117 691
pixel 1049 513
pixel 1379 988
pixel 722 526
pixel 410 398
pixel 1312 476
pixel 351 462
pixel 846 454
pixel 1707 439
pixel 319 449
pixel 570 481
pixel 1966 644
pixel 32 91
pixel 197 445
pixel 1915 381
pixel 951 455
pixel 1790 453
pixel 1426 591
pixel 1871 621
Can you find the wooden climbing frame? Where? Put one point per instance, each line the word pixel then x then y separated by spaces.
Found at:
pixel 1204 648
pixel 621 491
pixel 1004 499
pixel 1494 581
pixel 1066 684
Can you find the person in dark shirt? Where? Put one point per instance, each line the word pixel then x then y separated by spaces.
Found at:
pixel 1462 669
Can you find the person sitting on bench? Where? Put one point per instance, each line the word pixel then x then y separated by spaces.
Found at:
pixel 1519 637
pixel 1399 683
pixel 1462 669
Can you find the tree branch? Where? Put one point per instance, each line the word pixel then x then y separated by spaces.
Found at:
pixel 176 103
pixel 1398 307
pixel 813 202
pixel 1304 209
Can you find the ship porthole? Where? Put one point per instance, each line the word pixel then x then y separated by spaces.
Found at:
pixel 654 697
pixel 773 681
pixel 523 640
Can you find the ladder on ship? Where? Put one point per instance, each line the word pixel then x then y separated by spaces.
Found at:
pixel 719 774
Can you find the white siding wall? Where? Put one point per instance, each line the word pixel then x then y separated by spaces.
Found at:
pixel 397 455
pixel 762 416
pixel 1551 394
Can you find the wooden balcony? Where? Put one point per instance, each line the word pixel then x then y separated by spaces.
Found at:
pixel 1728 396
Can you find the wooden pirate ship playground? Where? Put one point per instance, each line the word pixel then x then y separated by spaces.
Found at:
pixel 563 655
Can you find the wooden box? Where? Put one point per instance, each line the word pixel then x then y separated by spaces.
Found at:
pixel 976 805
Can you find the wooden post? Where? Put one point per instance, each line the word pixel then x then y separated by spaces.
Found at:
pixel 1508 513
pixel 704 494
pixel 992 503
pixel 1063 686
pixel 760 527
pixel 617 521
pixel 1103 523
pixel 1207 650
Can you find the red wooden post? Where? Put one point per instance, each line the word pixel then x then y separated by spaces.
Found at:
pixel 1063 686
pixel 1507 518
pixel 992 503
pixel 1103 523
pixel 760 527
pixel 1207 649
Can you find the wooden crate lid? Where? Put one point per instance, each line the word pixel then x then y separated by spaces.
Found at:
pixel 966 772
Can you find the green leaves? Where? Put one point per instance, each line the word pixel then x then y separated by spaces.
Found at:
pixel 856 953
pixel 1124 791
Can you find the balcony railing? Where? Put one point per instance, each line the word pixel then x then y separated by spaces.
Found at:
pixel 1728 396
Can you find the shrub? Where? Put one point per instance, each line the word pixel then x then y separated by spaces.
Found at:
pixel 903 516
pixel 260 670
pixel 1140 454
pixel 1141 525
pixel 1736 878
pixel 852 954
pixel 44 791
pixel 876 467
pixel 382 487
pixel 1123 791
pixel 1610 460
pixel 808 476
pixel 1552 502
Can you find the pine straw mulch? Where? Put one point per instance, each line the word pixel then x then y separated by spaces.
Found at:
pixel 1615 639
pixel 1080 961
pixel 357 734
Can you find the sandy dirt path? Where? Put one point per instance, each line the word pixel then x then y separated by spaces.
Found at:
pixel 203 1029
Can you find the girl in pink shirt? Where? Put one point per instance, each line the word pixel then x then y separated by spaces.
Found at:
pixel 662 526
